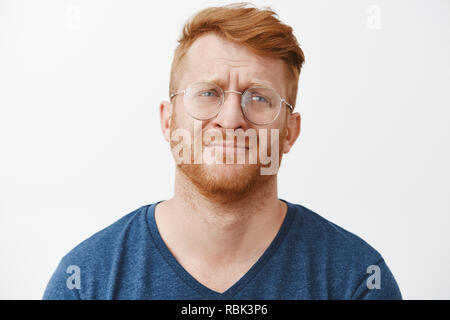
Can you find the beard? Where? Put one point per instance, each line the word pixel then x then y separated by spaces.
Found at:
pixel 227 182
pixel 224 182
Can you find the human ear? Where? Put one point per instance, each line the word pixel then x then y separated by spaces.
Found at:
pixel 293 131
pixel 165 114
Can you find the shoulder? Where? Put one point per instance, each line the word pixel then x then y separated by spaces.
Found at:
pixel 104 241
pixel 329 237
pixel 339 255
pixel 96 257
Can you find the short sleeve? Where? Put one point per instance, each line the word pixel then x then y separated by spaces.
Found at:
pixel 64 284
pixel 378 284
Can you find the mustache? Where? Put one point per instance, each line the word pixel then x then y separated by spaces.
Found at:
pixel 200 145
pixel 229 138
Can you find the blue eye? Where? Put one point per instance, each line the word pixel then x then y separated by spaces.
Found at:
pixel 210 93
pixel 260 99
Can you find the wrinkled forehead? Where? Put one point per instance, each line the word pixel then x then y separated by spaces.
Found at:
pixel 230 65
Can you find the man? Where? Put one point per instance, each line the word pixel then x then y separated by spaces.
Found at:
pixel 225 233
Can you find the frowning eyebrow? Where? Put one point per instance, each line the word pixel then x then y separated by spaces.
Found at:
pixel 254 83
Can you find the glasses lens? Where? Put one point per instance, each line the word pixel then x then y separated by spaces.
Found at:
pixel 202 100
pixel 261 105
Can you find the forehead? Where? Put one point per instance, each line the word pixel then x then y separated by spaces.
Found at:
pixel 212 58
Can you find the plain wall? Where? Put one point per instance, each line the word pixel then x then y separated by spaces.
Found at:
pixel 81 146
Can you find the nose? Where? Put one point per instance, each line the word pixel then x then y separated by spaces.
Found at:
pixel 230 115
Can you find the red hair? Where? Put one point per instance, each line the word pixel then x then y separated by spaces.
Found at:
pixel 259 30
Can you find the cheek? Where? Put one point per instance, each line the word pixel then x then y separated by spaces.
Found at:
pixel 281 124
pixel 179 118
pixel 185 124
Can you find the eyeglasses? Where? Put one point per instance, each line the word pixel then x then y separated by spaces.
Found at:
pixel 260 105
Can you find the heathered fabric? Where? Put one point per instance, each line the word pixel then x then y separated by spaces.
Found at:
pixel 310 258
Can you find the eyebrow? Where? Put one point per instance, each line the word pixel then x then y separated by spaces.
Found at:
pixel 253 83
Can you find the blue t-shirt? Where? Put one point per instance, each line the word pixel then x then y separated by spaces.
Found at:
pixel 309 258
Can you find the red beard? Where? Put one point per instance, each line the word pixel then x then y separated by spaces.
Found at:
pixel 224 182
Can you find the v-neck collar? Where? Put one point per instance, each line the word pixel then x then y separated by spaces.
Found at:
pixel 206 292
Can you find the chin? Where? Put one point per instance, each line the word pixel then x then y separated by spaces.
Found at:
pixel 224 181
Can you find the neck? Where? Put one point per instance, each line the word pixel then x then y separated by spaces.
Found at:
pixel 217 231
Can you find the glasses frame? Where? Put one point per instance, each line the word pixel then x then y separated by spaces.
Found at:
pixel 223 92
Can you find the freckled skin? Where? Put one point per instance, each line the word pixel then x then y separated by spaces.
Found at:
pixel 233 67
pixel 223 216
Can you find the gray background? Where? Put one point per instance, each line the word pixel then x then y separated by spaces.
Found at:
pixel 80 141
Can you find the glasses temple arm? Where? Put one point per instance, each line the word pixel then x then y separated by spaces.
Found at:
pixel 288 104
pixel 176 93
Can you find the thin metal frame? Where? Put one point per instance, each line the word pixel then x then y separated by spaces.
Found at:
pixel 282 100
